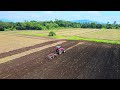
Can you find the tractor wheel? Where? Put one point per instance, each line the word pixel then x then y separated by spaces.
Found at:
pixel 60 52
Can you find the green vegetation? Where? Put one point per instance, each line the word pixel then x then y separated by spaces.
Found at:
pixel 105 36
pixel 60 37
pixel 53 25
pixel 94 40
pixel 1 28
pixel 106 33
pixel 51 33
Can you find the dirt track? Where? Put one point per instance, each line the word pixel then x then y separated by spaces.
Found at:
pixel 85 61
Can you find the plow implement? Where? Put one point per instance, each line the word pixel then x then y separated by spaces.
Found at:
pixel 52 55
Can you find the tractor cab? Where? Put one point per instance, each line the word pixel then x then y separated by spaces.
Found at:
pixel 57 47
pixel 59 50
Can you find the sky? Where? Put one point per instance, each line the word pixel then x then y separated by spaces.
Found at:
pixel 100 16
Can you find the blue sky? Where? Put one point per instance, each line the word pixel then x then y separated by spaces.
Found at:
pixel 101 16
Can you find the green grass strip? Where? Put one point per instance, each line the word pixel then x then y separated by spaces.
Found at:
pixel 94 40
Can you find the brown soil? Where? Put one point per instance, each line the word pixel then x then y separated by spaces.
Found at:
pixel 2 55
pixel 86 61
pixel 13 42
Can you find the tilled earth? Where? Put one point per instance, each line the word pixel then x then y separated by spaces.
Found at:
pixel 86 61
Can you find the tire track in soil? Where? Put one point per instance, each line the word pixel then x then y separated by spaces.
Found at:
pixel 2 55
pixel 94 66
pixel 70 61
pixel 41 71
pixel 9 58
pixel 48 73
pixel 111 67
pixel 26 64
pixel 87 61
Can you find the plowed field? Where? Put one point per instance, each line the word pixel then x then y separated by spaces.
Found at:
pixel 82 60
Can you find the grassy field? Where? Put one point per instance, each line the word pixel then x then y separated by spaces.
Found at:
pixel 97 35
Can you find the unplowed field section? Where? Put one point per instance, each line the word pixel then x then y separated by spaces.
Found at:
pixel 85 61
pixel 10 42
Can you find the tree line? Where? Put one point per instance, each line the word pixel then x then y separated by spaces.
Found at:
pixel 46 25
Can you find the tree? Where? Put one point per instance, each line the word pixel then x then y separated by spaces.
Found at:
pixel 114 26
pixel 1 28
pixel 109 26
pixel 115 23
pixel 84 25
pixel 99 26
pixel 93 25
pixel 117 26
pixel 107 22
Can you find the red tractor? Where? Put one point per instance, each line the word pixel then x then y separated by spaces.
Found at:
pixel 59 50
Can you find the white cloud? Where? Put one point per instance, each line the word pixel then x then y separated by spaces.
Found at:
pixel 94 13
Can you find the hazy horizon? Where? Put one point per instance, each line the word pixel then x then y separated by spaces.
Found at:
pixel 99 16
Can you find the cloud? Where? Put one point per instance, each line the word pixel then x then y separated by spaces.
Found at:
pixel 97 13
pixel 64 15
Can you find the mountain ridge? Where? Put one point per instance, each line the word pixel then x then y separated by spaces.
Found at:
pixel 86 21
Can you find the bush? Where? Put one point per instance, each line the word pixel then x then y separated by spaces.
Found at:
pixel 99 26
pixel 52 33
pixel 10 29
pixel 2 29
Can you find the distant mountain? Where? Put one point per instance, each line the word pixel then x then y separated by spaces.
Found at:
pixel 5 20
pixel 85 21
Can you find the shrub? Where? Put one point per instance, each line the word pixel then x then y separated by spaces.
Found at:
pixel 2 29
pixel 52 33
pixel 10 29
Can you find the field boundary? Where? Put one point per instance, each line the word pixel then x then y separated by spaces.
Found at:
pixel 16 51
pixel 12 57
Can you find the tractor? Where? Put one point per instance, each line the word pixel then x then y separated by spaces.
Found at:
pixel 58 50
